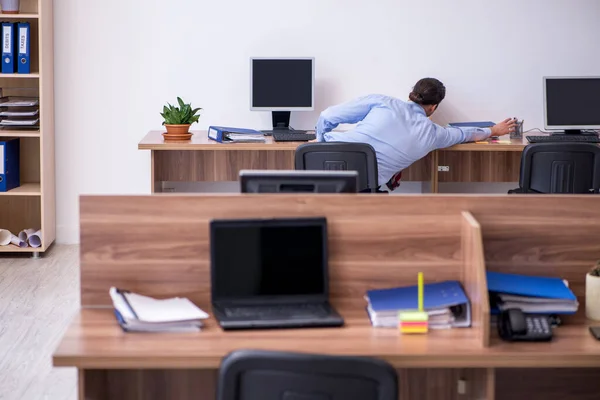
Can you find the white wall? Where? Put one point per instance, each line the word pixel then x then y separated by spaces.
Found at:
pixel 118 61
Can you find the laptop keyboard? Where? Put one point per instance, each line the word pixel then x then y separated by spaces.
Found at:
pixel 277 311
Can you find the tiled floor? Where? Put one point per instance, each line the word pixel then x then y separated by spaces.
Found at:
pixel 38 298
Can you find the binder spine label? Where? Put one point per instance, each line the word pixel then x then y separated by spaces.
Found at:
pixel 23 40
pixel 7 39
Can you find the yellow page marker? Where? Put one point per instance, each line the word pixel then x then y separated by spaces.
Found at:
pixel 481 142
pixel 421 292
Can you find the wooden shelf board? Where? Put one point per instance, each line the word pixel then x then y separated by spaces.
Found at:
pixel 22 76
pixel 26 189
pixel 11 248
pixel 20 16
pixel 19 133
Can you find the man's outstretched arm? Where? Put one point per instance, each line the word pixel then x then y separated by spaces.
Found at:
pixel 350 112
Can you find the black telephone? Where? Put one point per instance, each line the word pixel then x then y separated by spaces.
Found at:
pixel 514 325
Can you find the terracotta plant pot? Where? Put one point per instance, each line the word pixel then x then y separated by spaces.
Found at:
pixel 177 132
pixel 178 129
pixel 10 6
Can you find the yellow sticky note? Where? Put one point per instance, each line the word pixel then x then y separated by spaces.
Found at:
pixel 413 316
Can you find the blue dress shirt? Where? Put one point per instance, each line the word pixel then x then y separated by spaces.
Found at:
pixel 399 131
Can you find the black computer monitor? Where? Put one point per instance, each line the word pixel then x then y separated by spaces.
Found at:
pixel 281 181
pixel 282 85
pixel 572 104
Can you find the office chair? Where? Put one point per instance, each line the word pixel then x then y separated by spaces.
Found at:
pixel 267 375
pixel 339 156
pixel 560 168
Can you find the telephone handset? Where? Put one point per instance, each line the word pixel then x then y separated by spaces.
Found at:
pixel 514 325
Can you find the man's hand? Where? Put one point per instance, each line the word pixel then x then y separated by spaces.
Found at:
pixel 505 127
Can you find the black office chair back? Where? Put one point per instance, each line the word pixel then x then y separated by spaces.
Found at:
pixel 266 375
pixel 338 156
pixel 560 168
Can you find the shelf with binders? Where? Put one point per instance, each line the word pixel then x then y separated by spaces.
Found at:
pixel 30 46
pixel 29 170
pixel 21 207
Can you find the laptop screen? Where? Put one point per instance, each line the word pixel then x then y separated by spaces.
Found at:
pixel 260 259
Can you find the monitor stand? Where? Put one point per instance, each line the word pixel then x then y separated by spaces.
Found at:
pixel 281 120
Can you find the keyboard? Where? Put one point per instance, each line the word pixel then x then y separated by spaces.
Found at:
pixel 277 311
pixel 564 139
pixel 293 136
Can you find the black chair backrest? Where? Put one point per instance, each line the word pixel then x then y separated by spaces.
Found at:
pixel 560 168
pixel 338 156
pixel 266 375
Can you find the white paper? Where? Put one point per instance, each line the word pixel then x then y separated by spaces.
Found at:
pixel 5 237
pixel 24 234
pixel 168 310
pixel 18 242
pixel 131 323
pixel 34 239
pixel 241 138
pixel 18 122
pixel 19 113
pixel 19 102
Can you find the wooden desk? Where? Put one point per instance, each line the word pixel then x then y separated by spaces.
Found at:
pixel 158 245
pixel 204 160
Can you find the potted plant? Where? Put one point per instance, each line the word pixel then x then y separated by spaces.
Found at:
pixel 592 293
pixel 178 120
pixel 10 6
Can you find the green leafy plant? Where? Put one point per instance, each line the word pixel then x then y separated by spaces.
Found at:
pixel 182 115
pixel 596 270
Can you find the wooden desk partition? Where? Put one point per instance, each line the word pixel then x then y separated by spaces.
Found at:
pixel 159 245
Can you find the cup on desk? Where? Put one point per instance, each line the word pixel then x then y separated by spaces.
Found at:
pixel 518 132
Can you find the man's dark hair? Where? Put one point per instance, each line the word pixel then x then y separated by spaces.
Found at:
pixel 428 91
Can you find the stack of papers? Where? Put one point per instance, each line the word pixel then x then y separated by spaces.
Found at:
pixel 19 122
pixel 244 138
pixel 137 313
pixel 16 111
pixel 17 101
pixel 531 294
pixel 24 112
pixel 445 302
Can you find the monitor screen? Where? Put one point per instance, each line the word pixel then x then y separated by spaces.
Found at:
pixel 282 181
pixel 282 84
pixel 572 103
pixel 268 258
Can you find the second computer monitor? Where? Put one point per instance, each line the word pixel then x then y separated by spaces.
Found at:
pixel 292 181
pixel 572 103
pixel 282 85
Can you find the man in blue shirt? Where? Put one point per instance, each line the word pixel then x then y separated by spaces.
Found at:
pixel 400 132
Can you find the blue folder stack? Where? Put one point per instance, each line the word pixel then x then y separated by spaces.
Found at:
pixel 224 134
pixel 445 302
pixel 531 294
